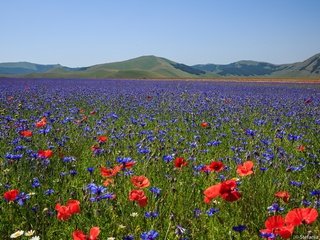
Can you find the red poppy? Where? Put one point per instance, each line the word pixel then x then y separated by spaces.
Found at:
pixel 212 192
pixel 245 169
pixel 140 181
pixel 284 195
pixel 138 196
pixel 26 133
pixel 216 166
pixel 45 153
pixel 41 123
pixel 276 225
pixel 93 234
pixel 128 164
pixel 180 162
pixel 110 172
pixel 108 181
pixel 102 139
pixel 74 206
pixel 11 195
pixel 65 212
pixel 227 190
pixel 300 216
pixel 301 148
pixel 204 124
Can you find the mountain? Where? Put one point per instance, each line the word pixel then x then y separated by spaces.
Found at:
pixel 14 68
pixel 158 67
pixel 307 68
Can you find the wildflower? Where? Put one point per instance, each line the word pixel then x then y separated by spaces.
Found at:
pixel 301 148
pixel 151 214
pixel 212 211
pixel 35 238
pixel 138 196
pixel 11 195
pixel 134 214
pixel 284 195
pixel 216 166
pixel 35 183
pixel 17 234
pixel 275 207
pixel 90 169
pixel 245 169
pixel 204 125
pixel 102 139
pixel 180 162
pixel 129 237
pixel 109 172
pixel 26 133
pixel 93 234
pixel 277 226
pixel 156 191
pixel 140 181
pixel 227 190
pixel 300 216
pixel 315 193
pixel 41 123
pixel 239 228
pixel 22 198
pixel 151 235
pixel 29 233
pixel 65 212
pixel 45 153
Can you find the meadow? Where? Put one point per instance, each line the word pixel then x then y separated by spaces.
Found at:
pixel 137 159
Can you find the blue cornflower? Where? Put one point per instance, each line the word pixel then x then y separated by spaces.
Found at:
pixel 315 193
pixel 167 158
pixel 22 198
pixel 35 183
pixel 180 230
pixel 152 234
pixel 73 172
pixel 94 189
pixel 295 183
pixel 239 228
pixel 156 191
pixel 196 212
pixel 306 203
pixel 275 207
pixel 268 235
pixel 151 214
pixel 90 169
pixel 212 211
pixel 49 192
pixel 68 159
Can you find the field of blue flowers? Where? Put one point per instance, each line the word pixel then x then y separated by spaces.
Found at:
pixel 121 159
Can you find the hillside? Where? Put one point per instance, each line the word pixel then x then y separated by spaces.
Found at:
pixel 158 67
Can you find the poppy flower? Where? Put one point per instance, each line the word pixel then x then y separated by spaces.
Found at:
pixel 276 225
pixel 11 195
pixel 180 162
pixel 216 166
pixel 41 123
pixel 140 181
pixel 138 196
pixel 284 195
pixel 45 153
pixel 65 212
pixel 204 124
pixel 301 148
pixel 108 181
pixel 102 139
pixel 26 133
pixel 300 216
pixel 128 165
pixel 212 192
pixel 109 172
pixel 227 190
pixel 245 169
pixel 93 234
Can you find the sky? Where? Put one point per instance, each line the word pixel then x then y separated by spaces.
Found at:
pixel 78 33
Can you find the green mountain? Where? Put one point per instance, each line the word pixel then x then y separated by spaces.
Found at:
pixel 158 67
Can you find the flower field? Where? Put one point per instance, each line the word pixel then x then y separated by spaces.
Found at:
pixel 121 159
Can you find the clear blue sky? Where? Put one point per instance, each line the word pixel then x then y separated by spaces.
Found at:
pixel 87 32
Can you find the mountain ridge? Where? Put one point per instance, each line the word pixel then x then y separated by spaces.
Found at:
pixel 150 66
